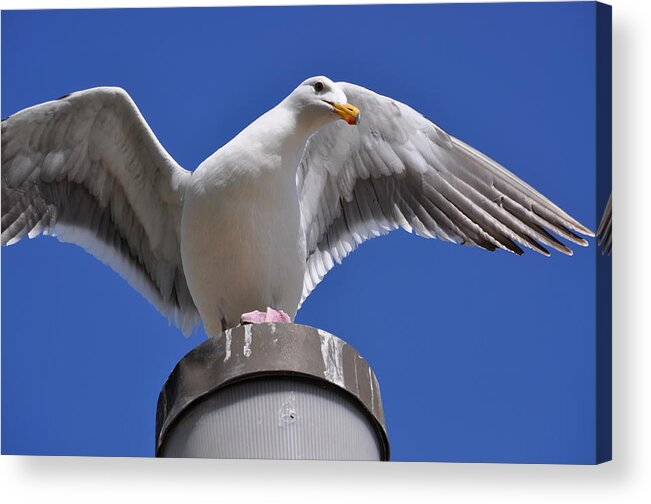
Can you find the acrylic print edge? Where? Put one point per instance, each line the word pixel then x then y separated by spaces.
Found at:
pixel 603 261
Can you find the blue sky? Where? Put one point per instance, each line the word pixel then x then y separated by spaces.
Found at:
pixel 480 356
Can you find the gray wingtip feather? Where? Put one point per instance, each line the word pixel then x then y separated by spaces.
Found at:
pixel 425 181
pixel 86 207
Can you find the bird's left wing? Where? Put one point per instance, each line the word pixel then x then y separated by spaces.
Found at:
pixel 605 230
pixel 88 169
pixel 397 169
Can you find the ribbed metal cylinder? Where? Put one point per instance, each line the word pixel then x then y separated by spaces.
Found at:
pixel 277 418
pixel 280 391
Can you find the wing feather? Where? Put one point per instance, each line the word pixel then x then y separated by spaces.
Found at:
pixel 605 230
pixel 88 169
pixel 399 170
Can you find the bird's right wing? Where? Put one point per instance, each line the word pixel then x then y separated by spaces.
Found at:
pixel 605 230
pixel 88 169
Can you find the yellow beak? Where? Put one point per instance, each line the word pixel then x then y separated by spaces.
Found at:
pixel 348 112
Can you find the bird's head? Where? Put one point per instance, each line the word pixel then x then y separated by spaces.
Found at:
pixel 320 100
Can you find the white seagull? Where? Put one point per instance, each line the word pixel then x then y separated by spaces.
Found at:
pixel 250 233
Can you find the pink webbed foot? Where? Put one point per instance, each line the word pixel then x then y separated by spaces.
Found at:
pixel 271 315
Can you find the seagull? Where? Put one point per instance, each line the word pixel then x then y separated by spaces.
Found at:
pixel 248 235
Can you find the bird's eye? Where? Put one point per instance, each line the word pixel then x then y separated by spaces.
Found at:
pixel 318 86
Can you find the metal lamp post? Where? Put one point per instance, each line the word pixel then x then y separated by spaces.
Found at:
pixel 272 391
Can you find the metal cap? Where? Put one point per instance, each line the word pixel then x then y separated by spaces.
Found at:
pixel 254 351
